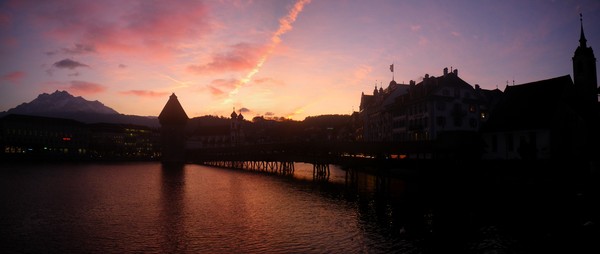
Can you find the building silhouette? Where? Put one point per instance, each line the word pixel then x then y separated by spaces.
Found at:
pixel 444 109
pixel 537 120
pixel 556 118
pixel 547 119
pixel 24 136
pixel 173 121
pixel 50 138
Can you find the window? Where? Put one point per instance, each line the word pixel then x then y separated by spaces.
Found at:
pixel 473 123
pixel 441 105
pixel 441 121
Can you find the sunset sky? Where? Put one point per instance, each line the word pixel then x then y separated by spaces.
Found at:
pixel 277 58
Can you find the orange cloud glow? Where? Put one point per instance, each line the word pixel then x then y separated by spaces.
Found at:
pixel 84 88
pixel 240 57
pixel 145 93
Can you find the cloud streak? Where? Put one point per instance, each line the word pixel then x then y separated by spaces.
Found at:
pixel 144 93
pixel 68 64
pixel 285 25
pixel 77 49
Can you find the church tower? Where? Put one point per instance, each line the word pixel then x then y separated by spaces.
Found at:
pixel 173 120
pixel 584 71
pixel 236 128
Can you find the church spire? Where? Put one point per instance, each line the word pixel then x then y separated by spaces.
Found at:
pixel 582 40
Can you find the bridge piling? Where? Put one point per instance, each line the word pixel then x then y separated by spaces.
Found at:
pixel 321 171
pixel 273 167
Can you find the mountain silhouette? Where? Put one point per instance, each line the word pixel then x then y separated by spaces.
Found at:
pixel 61 101
pixel 61 104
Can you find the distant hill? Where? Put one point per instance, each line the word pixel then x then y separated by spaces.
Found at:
pixel 64 105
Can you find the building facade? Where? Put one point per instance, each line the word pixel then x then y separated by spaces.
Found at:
pixel 422 111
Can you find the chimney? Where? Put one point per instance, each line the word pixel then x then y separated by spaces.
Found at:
pixel 445 71
pixel 456 72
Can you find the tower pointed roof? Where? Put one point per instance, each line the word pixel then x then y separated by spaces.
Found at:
pixel 173 112
pixel 582 40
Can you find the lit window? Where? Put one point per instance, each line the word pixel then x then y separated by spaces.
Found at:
pixel 472 108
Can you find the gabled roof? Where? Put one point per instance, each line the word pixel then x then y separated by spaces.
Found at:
pixel 173 112
pixel 399 90
pixel 449 80
pixel 531 105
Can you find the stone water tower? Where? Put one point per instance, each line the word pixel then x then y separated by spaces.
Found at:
pixel 173 120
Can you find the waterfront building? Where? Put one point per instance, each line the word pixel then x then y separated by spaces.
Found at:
pixel 536 120
pixel 422 111
pixel 375 120
pixel 123 141
pixel 439 106
pixel 24 136
pixel 555 118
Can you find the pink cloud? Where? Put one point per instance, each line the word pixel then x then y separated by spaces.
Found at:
pixel 219 87
pixel 5 20
pixel 77 49
pixel 9 41
pixel 83 87
pixel 239 57
pixel 224 83
pixel 415 28
pixel 153 29
pixel 14 76
pixel 145 93
pixel 215 91
pixel 268 81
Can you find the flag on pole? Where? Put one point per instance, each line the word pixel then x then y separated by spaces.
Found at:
pixel 392 68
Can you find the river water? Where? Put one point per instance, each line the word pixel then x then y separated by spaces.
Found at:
pixel 146 208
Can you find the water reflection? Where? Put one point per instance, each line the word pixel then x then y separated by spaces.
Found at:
pixel 148 208
pixel 172 213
